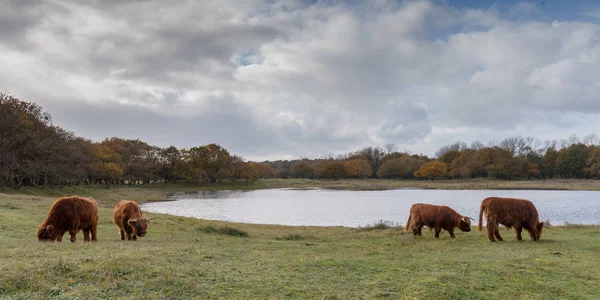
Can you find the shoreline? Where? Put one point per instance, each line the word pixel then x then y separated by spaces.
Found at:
pixel 158 191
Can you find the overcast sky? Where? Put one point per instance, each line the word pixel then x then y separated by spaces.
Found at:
pixel 288 79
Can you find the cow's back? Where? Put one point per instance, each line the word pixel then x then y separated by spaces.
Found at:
pixel 424 213
pixel 67 211
pixel 124 211
pixel 510 211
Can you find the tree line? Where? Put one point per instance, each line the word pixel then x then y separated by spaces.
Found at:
pixel 511 158
pixel 35 152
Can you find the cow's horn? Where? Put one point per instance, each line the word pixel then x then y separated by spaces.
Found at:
pixel 43 227
pixel 546 226
pixel 151 219
pixel 132 220
pixel 471 218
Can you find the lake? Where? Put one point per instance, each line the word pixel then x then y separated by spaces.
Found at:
pixel 321 207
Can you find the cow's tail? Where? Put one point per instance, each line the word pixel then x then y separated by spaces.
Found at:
pixel 408 222
pixel 481 208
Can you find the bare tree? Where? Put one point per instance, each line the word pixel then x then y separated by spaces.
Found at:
pixel 390 148
pixel 476 145
pixel 591 140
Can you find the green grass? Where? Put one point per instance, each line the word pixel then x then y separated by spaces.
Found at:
pixel 178 260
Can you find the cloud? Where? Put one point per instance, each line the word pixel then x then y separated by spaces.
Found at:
pixel 523 9
pixel 295 79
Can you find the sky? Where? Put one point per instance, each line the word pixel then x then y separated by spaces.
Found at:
pixel 291 79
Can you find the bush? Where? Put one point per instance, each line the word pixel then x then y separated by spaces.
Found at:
pixel 291 237
pixel 379 225
pixel 223 230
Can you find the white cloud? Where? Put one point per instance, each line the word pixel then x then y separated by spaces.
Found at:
pixel 523 9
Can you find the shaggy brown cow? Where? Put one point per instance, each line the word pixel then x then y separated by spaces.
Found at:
pixel 129 219
pixel 70 214
pixel 436 217
pixel 518 213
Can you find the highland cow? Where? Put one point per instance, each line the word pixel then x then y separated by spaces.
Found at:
pixel 70 214
pixel 129 220
pixel 436 217
pixel 518 213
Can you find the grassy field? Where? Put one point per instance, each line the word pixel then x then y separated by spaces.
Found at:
pixel 184 258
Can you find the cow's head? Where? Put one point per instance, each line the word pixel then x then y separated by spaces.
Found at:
pixel 539 228
pixel 464 224
pixel 47 233
pixel 140 226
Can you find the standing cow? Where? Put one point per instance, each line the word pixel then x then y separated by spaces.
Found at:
pixel 129 219
pixel 436 217
pixel 518 213
pixel 70 214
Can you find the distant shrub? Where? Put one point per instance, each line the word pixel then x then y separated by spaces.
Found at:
pixel 574 226
pixel 223 230
pixel 291 237
pixel 379 225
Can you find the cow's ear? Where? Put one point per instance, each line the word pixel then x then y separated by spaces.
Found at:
pixel 132 221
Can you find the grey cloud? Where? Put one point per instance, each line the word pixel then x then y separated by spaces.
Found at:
pixel 16 18
pixel 325 77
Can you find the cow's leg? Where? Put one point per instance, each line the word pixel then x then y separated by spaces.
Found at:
pixel 532 234
pixel 86 234
pixel 491 229
pixel 59 237
pixel 73 233
pixel 419 229
pixel 519 229
pixel 129 232
pixel 451 232
pixel 437 232
pixel 122 234
pixel 94 231
pixel 415 231
pixel 497 234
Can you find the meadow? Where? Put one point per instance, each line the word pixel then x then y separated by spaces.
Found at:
pixel 184 258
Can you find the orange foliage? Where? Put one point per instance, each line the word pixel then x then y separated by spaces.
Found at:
pixel 431 170
pixel 357 168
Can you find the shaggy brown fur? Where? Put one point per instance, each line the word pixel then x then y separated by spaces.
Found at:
pixel 436 217
pixel 70 214
pixel 518 213
pixel 129 220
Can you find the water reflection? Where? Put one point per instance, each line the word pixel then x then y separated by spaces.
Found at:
pixel 356 208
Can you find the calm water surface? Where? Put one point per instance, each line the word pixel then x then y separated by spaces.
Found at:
pixel 358 208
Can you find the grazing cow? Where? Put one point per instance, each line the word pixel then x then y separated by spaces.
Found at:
pixel 436 217
pixel 518 213
pixel 129 219
pixel 70 214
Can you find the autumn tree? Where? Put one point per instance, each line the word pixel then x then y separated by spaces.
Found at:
pixel 232 170
pixel 592 164
pixel 330 169
pixel 302 169
pixel 432 170
pixel 374 155
pixel 571 161
pixel 107 164
pixel 357 168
